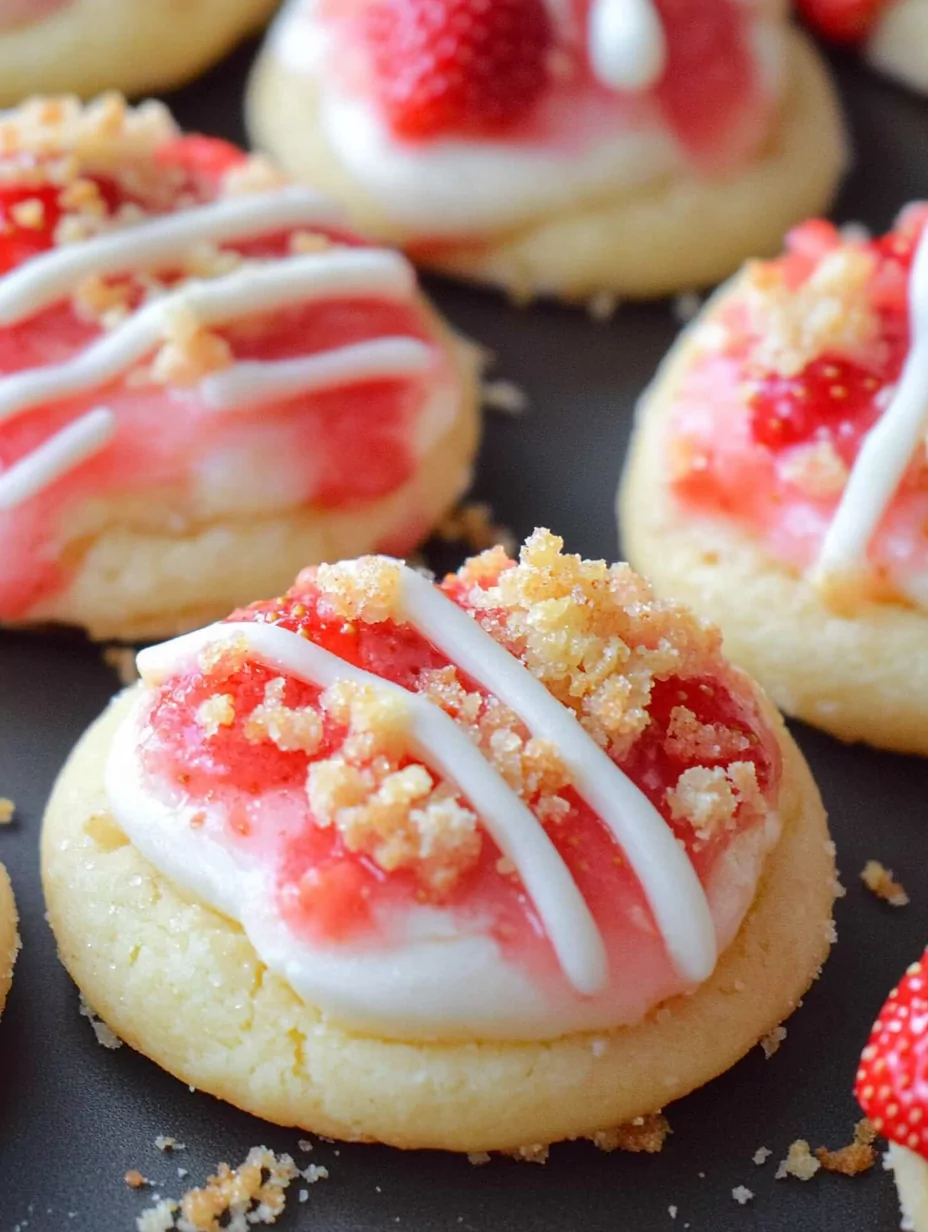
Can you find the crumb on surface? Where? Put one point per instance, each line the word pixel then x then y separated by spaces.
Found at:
pixel 685 306
pixel 761 1155
pixel 879 881
pixel 473 525
pixel 165 1143
pixel 105 1037
pixel 478 1159
pixel 504 396
pixel 531 1153
pixel 134 1179
pixel 672 1211
pixel 7 810
pixel 799 1162
pixel 772 1040
pixel 858 1156
pixel 122 661
pixel 603 305
pixel 742 1194
pixel 643 1134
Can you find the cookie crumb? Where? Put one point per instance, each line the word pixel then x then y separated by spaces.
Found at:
pixel 158 1218
pixel 879 881
pixel 504 396
pixel 532 1153
pixel 105 1037
pixel 799 1162
pixel 252 1193
pixel 858 1156
pixel 672 1212
pixel 7 811
pixel 134 1179
pixel 685 307
pixel 305 1145
pixel 761 1155
pixel 742 1194
pixel 314 1173
pixel 644 1134
pixel 165 1143
pixel 772 1041
pixel 122 661
pixel 603 305
pixel 478 1158
pixel 472 524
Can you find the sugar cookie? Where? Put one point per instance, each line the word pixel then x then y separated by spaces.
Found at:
pixel 891 1089
pixel 85 46
pixel 432 865
pixel 892 35
pixel 778 479
pixel 205 380
pixel 605 157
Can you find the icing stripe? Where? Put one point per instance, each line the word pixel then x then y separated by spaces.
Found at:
pixel 435 737
pixel 246 384
pixel 670 884
pixel 627 47
pixel 156 244
pixel 887 449
pixel 244 293
pixel 61 453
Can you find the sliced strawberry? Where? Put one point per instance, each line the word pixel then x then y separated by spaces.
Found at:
pixel 892 1081
pixel 710 67
pixel 452 67
pixel 842 21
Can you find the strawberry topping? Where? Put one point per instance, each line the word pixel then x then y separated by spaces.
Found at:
pixel 842 21
pixel 457 67
pixel 892 1081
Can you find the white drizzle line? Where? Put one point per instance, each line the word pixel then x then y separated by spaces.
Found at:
pixel 248 383
pixel 887 449
pixel 61 453
pixel 155 243
pixel 244 293
pixel 627 46
pixel 670 884
pixel 434 736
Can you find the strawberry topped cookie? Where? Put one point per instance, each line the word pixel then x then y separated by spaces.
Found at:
pixel 568 147
pixel 205 379
pixel 892 35
pixel 892 1087
pixel 779 480
pixel 501 860
pixel 84 46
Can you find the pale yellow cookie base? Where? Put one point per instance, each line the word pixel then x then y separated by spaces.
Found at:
pixel 9 938
pixel 677 235
pixel 899 44
pixel 95 45
pixel 137 580
pixel 863 677
pixel 182 984
pixel 911 1172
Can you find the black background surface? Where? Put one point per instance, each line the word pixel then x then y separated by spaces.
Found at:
pixel 74 1117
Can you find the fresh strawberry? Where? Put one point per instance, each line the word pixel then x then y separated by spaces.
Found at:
pixel 892 1082
pixel 842 21
pixel 457 67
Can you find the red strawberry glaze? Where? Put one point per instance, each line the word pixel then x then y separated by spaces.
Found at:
pixel 892 1081
pixel 340 448
pixel 711 95
pixel 329 895
pixel 842 21
pixel 740 430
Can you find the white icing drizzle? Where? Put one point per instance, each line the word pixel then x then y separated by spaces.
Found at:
pixel 436 737
pixel 61 453
pixel 888 448
pixel 627 45
pixel 155 243
pixel 248 383
pixel 244 293
pixel 667 877
pixel 670 884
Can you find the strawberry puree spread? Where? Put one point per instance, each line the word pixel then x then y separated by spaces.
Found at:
pixel 787 378
pixel 219 411
pixel 368 855
pixel 522 105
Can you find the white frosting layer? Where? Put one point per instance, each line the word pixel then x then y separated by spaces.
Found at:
pixel 455 188
pixel 431 971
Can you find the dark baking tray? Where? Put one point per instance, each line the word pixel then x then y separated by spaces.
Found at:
pixel 74 1117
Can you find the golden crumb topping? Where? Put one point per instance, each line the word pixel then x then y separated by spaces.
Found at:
pixel 102 134
pixel 216 712
pixel 828 313
pixel 709 799
pixel 816 470
pixel 289 728
pixel 367 589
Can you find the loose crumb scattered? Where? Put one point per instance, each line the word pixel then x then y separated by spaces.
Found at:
pixel 858 1156
pixel 134 1179
pixel 122 660
pixel 472 524
pixel 165 1143
pixel 7 810
pixel 742 1194
pixel 531 1153
pixel 761 1155
pixel 158 1218
pixel 799 1162
pixel 771 1042
pixel 105 1037
pixel 504 396
pixel 644 1134
pixel 603 306
pixel 879 881
pixel 672 1212
pixel 685 307
pixel 479 1158
pixel 305 1145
